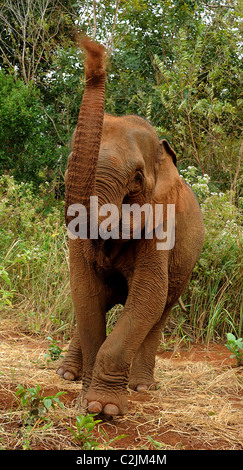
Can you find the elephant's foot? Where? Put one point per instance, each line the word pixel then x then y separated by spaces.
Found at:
pixel 71 366
pixel 142 385
pixel 109 403
pixel 145 387
pixel 70 370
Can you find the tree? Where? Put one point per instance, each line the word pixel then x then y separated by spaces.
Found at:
pixel 200 92
pixel 30 31
pixel 176 63
pixel 27 146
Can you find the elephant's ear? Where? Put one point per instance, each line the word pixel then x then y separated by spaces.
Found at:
pixel 166 148
pixel 168 187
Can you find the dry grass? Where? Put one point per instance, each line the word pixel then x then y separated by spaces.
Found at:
pixel 198 404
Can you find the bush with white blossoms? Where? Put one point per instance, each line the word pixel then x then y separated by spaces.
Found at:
pixel 199 183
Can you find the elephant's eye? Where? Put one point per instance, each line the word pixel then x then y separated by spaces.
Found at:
pixel 136 185
pixel 138 176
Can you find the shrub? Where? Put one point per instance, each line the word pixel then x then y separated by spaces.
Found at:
pixel 29 147
pixel 214 293
pixel 35 256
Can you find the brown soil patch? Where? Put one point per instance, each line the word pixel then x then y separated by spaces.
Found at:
pixel 199 403
pixel 216 354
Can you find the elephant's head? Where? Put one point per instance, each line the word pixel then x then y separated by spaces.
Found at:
pixel 128 164
pixel 133 168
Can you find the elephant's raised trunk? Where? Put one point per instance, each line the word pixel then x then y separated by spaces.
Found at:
pixel 82 165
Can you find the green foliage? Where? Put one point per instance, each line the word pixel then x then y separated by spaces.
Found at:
pixel 34 256
pixel 214 293
pixel 200 93
pixel 5 295
pixel 176 63
pixel 30 33
pixel 112 317
pixel 54 350
pixel 220 264
pixel 179 64
pixel 27 142
pixel 236 347
pixel 36 406
pixel 198 182
pixel 156 444
pixel 83 434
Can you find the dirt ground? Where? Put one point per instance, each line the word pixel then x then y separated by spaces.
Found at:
pixel 199 403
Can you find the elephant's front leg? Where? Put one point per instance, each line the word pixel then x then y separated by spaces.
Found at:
pixel 89 299
pixel 145 303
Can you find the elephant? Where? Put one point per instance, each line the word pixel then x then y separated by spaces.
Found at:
pixel 121 160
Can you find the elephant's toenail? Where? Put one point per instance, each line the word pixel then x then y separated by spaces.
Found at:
pixel 95 407
pixel 142 388
pixel 69 376
pixel 111 410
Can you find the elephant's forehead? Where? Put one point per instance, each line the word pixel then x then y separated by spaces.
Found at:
pixel 127 137
pixel 117 154
pixel 128 126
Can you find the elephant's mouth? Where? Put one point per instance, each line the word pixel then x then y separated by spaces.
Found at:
pixel 120 220
pixel 106 251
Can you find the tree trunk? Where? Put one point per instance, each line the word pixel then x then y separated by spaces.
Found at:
pixel 83 163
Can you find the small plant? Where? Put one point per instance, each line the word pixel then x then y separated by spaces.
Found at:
pixel 156 444
pixel 36 405
pixel 54 350
pixel 236 347
pixel 83 434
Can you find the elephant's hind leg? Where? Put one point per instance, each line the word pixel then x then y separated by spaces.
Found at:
pixel 142 371
pixel 141 376
pixel 71 367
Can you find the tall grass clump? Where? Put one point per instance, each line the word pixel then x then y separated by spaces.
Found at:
pixel 34 256
pixel 216 287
